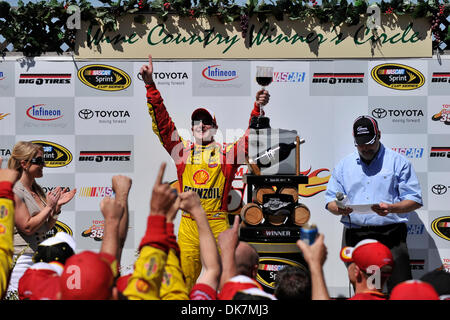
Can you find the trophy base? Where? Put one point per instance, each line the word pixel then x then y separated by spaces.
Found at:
pixel 270 234
pixel 260 123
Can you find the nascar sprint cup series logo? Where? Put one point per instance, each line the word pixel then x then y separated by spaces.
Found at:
pixel 398 76
pixel 441 227
pixel 103 77
pixel 55 155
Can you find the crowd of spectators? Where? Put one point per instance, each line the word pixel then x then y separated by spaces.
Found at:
pixel 229 267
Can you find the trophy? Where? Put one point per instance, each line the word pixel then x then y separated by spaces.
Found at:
pixel 264 76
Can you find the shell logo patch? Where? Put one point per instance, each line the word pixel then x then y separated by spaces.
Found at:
pixel 142 286
pixel 201 176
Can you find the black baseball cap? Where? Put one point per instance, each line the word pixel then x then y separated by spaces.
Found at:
pixel 365 130
pixel 204 114
pixel 440 280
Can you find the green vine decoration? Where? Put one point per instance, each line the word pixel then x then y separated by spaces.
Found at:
pixel 37 28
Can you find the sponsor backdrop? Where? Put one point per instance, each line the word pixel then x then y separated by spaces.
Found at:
pixel 91 118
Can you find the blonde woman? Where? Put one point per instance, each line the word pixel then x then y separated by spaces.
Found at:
pixel 36 212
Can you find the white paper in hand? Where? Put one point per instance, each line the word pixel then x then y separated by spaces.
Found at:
pixel 361 208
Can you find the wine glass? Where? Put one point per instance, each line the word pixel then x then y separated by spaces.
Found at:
pixel 264 76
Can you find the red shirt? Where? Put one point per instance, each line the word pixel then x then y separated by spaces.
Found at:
pixel 369 295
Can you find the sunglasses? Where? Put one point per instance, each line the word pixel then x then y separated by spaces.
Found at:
pixel 38 161
pixel 207 122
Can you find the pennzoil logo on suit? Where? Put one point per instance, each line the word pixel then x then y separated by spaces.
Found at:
pixel 104 77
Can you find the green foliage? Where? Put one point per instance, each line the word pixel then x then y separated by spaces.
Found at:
pixel 36 28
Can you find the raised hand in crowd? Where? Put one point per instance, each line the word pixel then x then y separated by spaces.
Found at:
pixel 147 71
pixel 163 196
pixel 112 210
pixel 121 186
pixel 173 286
pixel 315 256
pixel 209 255
pixel 145 282
pixel 228 241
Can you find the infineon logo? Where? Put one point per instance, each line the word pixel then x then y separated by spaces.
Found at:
pixel 42 113
pixel 216 73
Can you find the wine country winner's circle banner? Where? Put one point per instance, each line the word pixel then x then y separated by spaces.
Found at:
pixel 207 38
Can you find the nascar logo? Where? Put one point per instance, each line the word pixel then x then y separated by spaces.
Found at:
pixel 95 192
pixel 289 76
pixel 410 153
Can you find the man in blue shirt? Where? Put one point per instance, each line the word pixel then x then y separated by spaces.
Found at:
pixel 384 179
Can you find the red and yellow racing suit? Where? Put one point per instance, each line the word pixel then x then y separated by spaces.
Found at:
pixel 208 170
pixel 6 234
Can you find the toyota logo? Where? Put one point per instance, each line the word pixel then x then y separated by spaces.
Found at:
pixel 379 113
pixel 439 189
pixel 86 114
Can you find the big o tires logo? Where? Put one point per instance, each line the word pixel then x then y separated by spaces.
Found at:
pixel 103 77
pixel 55 155
pixel 397 76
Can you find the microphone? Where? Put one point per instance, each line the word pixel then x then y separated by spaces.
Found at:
pixel 341 200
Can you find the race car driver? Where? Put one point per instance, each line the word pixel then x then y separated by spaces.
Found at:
pixel 204 166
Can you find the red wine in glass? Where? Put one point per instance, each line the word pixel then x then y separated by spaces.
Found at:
pixel 264 81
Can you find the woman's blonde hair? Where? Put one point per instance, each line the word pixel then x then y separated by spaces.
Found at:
pixel 24 150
